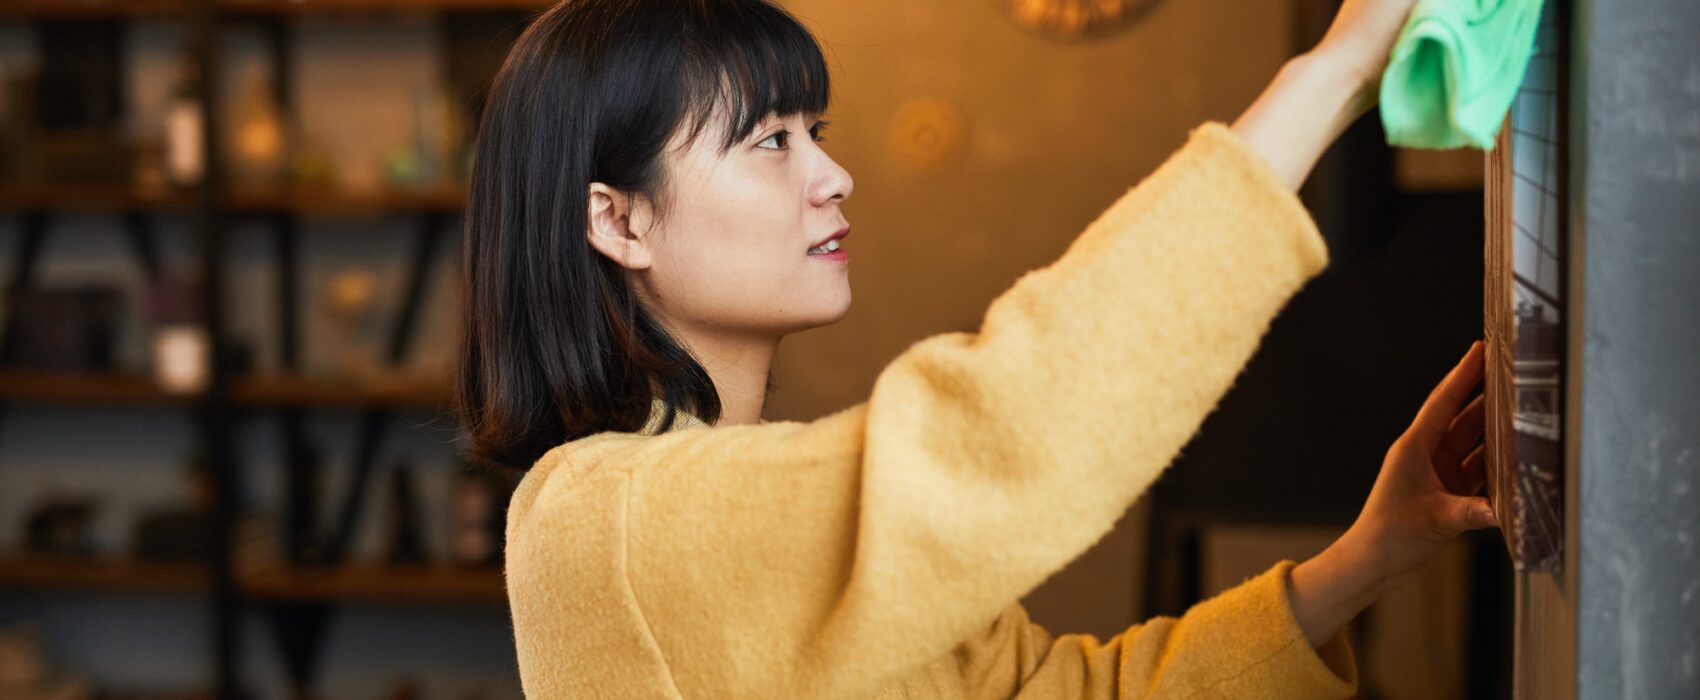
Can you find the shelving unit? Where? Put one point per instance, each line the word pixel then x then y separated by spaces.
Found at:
pixel 50 9
pixel 57 387
pixel 87 388
pixel 36 572
pixel 307 596
pixel 298 201
pixel 376 584
pixel 368 583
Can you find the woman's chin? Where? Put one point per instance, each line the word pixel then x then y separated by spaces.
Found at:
pixel 829 313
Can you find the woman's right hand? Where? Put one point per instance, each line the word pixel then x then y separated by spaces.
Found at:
pixel 1321 92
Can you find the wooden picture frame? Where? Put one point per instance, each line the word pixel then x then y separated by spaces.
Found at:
pixel 1526 268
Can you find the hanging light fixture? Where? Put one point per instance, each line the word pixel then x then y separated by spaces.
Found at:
pixel 1077 19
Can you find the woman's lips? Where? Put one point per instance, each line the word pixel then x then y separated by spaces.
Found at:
pixel 840 233
pixel 840 255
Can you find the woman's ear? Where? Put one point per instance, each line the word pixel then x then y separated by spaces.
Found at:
pixel 610 228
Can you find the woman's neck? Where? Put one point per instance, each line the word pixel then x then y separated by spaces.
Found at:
pixel 739 365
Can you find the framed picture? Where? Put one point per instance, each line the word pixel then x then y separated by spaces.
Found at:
pixel 1524 310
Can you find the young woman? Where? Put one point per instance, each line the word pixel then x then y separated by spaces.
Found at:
pixel 651 213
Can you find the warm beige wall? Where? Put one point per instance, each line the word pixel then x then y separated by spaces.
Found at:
pixel 1056 132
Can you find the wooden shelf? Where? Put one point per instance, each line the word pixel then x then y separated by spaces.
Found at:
pixel 93 197
pixel 334 7
pixel 51 386
pixel 373 583
pixel 64 9
pixel 57 387
pixel 376 583
pixel 34 571
pixel 398 392
pixel 154 695
pixel 332 202
pixel 297 200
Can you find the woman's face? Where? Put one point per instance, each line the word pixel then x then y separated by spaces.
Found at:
pixel 731 251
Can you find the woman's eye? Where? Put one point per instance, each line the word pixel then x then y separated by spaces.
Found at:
pixel 781 139
pixel 778 140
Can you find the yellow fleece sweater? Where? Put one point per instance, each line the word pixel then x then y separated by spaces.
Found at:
pixel 880 551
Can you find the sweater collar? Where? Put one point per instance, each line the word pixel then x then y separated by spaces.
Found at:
pixel 658 413
pixel 685 420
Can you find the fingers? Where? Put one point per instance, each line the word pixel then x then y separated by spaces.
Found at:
pixel 1442 405
pixel 1462 476
pixel 1474 471
pixel 1464 433
pixel 1468 513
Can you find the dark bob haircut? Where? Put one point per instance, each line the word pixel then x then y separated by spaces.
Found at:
pixel 554 344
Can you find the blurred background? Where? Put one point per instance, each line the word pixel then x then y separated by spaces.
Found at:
pixel 277 183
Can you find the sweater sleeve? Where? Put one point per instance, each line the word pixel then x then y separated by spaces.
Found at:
pixel 1243 644
pixel 824 558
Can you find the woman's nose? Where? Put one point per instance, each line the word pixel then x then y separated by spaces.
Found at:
pixel 834 183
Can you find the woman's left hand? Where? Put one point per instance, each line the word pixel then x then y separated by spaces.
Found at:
pixel 1424 497
pixel 1318 94
pixel 1362 34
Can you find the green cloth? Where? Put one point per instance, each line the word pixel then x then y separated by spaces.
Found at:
pixel 1454 71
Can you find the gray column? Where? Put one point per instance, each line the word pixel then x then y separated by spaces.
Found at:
pixel 1635 214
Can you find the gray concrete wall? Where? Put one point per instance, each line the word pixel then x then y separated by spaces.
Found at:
pixel 1636 209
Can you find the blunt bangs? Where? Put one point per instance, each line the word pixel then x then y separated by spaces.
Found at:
pixel 748 65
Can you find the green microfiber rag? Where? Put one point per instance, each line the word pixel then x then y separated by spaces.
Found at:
pixel 1454 71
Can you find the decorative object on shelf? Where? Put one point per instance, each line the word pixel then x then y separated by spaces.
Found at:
pixel 351 299
pixel 181 348
pixel 403 167
pixel 62 526
pixel 179 533
pixel 78 156
pixel 75 116
pixel 312 167
pixel 173 534
pixel 477 513
pixel 1077 19
pixel 427 157
pixel 24 674
pixel 72 328
pixel 258 147
pixel 927 134
pixel 82 74
pixel 407 541
pixel 185 153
